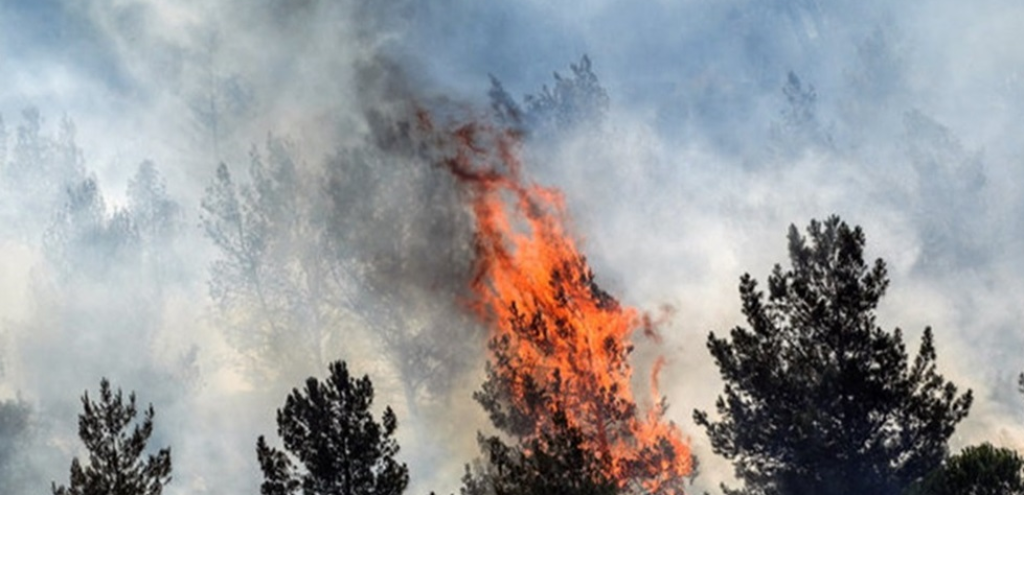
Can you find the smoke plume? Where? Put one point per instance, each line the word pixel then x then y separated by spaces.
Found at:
pixel 207 202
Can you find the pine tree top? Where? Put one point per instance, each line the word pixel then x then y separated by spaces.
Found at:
pixel 818 398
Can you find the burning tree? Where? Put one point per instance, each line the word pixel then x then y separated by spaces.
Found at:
pixel 818 398
pixel 561 344
pixel 557 461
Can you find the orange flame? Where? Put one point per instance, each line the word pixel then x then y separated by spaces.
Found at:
pixel 534 287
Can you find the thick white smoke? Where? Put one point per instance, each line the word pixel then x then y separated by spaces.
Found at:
pixel 725 123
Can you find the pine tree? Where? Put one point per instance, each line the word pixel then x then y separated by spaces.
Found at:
pixel 982 469
pixel 342 449
pixel 557 462
pixel 818 398
pixel 554 460
pixel 115 463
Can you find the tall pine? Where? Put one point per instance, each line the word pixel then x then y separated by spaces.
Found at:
pixel 818 398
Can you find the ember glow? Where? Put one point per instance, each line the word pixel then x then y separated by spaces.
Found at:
pixel 534 290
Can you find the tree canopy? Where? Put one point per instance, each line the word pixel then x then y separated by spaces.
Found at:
pixel 818 398
pixel 340 447
pixel 982 469
pixel 116 464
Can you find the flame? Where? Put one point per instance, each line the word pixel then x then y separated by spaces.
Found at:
pixel 533 288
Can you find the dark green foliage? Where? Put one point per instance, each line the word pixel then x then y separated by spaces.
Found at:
pixel 115 463
pixel 982 469
pixel 818 398
pixel 329 429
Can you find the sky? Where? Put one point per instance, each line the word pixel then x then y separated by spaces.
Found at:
pixel 906 126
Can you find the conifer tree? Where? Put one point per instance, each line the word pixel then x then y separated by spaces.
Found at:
pixel 340 447
pixel 982 470
pixel 116 464
pixel 818 398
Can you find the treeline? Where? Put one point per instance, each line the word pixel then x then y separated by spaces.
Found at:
pixel 818 400
pixel 817 397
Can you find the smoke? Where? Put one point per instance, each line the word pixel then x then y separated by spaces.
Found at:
pixel 724 123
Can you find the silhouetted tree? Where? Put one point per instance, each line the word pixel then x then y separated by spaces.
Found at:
pixel 116 465
pixel 818 398
pixel 342 449
pixel 982 469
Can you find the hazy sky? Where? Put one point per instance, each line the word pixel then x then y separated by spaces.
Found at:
pixel 692 179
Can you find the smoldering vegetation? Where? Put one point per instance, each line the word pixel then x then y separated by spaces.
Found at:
pixel 208 202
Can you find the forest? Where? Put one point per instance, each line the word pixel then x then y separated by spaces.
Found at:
pixel 452 248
